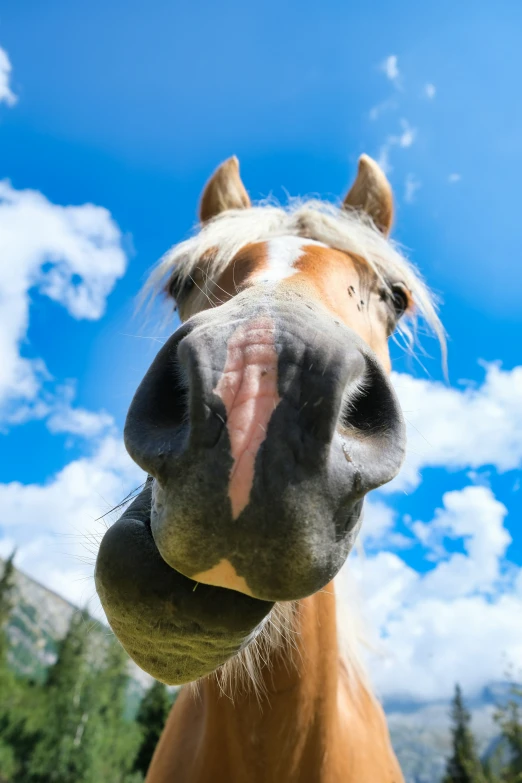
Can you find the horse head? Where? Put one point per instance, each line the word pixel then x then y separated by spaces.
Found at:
pixel 262 423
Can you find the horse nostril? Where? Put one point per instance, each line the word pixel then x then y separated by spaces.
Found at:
pixel 371 407
pixel 372 430
pixel 154 426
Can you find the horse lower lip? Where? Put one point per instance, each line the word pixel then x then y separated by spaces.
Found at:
pixel 152 607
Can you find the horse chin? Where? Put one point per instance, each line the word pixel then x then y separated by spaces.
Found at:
pixel 173 627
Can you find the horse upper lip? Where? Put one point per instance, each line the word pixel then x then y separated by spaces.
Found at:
pixel 147 521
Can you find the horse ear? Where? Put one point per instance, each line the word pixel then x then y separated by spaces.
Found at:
pixel 223 191
pixel 372 193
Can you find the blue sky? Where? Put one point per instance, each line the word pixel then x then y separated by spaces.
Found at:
pixel 129 110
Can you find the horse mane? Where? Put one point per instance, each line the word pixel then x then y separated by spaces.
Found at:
pixel 218 241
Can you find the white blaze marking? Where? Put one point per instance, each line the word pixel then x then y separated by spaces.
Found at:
pixel 283 252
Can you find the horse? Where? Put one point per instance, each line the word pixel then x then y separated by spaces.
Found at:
pixel 262 423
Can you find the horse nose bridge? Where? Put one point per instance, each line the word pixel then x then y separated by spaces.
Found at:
pixel 245 367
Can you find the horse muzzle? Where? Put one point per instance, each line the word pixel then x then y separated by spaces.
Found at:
pixel 264 423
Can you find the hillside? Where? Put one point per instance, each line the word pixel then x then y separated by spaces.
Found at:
pixel 39 619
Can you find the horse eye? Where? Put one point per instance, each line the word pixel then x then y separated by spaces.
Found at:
pixel 178 290
pixel 400 298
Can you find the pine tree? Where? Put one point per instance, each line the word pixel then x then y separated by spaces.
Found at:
pixel 86 738
pixel 509 718
pixel 463 766
pixel 57 754
pixel 489 773
pixel 72 729
pixel 151 717
pixel 112 740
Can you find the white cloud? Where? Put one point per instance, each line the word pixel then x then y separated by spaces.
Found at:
pixel 430 91
pixel 407 137
pixel 460 428
pixel 79 493
pixel 377 531
pixel 6 94
pixel 431 644
pixel 454 178
pixel 404 140
pixel 56 407
pixel 71 254
pixel 474 515
pixel 383 158
pixel 411 186
pixel 78 421
pixel 55 525
pixel 62 417
pixel 388 105
pixel 453 623
pixel 456 621
pixel 379 519
pixel 391 68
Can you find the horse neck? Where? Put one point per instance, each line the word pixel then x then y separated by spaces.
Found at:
pixel 313 723
pixel 288 730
